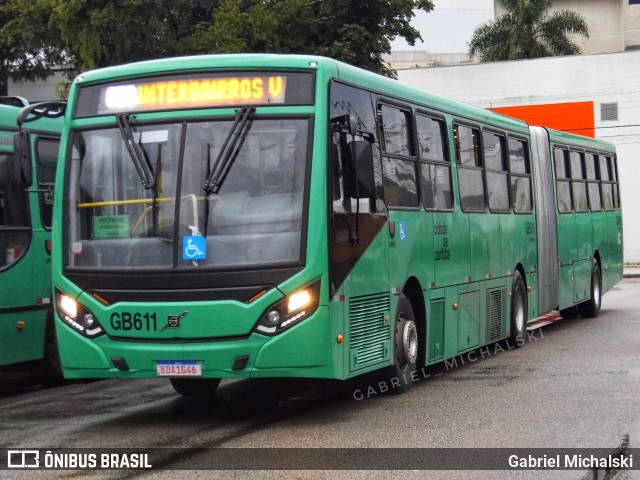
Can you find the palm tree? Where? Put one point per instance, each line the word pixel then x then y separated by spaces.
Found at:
pixel 527 30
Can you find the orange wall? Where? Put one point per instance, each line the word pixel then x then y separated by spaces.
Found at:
pixel 574 117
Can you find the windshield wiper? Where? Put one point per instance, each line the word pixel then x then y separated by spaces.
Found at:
pixel 138 154
pixel 155 210
pixel 229 151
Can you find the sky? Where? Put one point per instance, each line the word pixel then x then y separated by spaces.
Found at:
pixel 449 26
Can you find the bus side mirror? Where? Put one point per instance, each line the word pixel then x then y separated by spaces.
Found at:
pixel 363 165
pixel 22 158
pixel 5 172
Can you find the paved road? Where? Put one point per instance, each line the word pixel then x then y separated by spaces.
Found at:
pixel 577 384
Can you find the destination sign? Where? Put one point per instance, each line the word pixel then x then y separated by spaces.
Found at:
pixel 195 91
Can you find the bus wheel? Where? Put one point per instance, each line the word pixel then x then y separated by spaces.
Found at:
pixel 405 347
pixel 591 308
pixel 195 387
pixel 519 311
pixel 49 369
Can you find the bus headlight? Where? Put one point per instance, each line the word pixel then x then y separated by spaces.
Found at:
pixel 77 316
pixel 67 306
pixel 290 311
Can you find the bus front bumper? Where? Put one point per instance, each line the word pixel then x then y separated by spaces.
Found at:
pixel 305 350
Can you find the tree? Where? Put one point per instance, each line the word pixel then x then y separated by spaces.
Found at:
pixel 357 32
pixel 37 36
pixel 78 35
pixel 100 33
pixel 527 30
pixel 26 50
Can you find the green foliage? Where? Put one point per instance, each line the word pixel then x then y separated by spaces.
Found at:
pixel 79 35
pixel 26 51
pixel 99 33
pixel 356 32
pixel 527 30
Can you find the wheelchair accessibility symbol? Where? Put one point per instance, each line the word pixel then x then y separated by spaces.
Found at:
pixel 403 231
pixel 194 248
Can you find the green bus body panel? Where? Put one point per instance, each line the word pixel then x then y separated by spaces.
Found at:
pixel 460 263
pixel 583 236
pixel 289 353
pixel 435 335
pixel 468 320
pixel 367 331
pixel 229 319
pixel 22 345
pixel 26 284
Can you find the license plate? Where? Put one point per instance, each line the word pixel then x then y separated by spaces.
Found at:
pixel 183 368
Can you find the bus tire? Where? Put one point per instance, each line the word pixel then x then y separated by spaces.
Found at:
pixel 195 387
pixel 406 347
pixel 519 311
pixel 591 308
pixel 49 369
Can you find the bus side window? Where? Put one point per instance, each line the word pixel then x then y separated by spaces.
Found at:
pixel 344 189
pixel 14 222
pixel 470 181
pixel 435 166
pixel 578 183
pixel 398 157
pixel 357 103
pixel 336 172
pixel 520 176
pixel 616 191
pixel 338 194
pixel 593 185
pixel 496 171
pixel 563 182
pixel 46 158
pixel 605 182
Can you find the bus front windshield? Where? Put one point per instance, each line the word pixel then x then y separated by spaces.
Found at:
pixel 255 218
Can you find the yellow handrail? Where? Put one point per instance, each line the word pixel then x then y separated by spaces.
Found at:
pixel 136 201
pixel 111 203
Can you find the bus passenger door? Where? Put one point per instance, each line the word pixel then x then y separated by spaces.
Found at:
pixel 359 259
pixel 24 290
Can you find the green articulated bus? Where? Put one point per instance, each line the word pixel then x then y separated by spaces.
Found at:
pixel 29 141
pixel 292 216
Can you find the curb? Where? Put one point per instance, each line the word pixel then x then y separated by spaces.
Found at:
pixel 631 271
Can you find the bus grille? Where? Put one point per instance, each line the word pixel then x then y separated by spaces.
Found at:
pixel 369 333
pixel 496 306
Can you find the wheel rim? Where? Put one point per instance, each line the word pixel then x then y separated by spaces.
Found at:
pixel 519 312
pixel 410 342
pixel 596 292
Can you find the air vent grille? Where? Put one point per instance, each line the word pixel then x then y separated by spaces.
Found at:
pixel 496 308
pixel 369 333
pixel 608 111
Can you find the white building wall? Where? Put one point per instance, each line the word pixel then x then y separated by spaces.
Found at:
pixel 604 18
pixel 39 91
pixel 614 25
pixel 610 78
pixel 631 15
